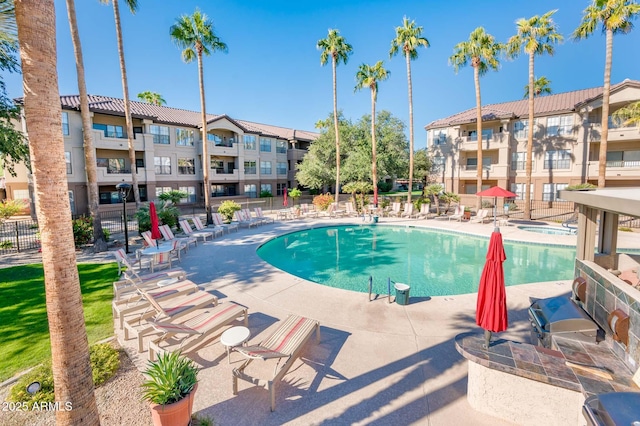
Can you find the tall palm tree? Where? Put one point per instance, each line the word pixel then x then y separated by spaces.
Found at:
pixel 408 39
pixel 628 115
pixel 152 98
pixel 535 36
pixel 369 76
pixel 615 17
pixel 336 48
pixel 541 86
pixel 482 50
pixel 69 345
pixel 99 240
pixel 195 35
pixel 133 6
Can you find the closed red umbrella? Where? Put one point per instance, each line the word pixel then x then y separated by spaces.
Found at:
pixel 284 200
pixel 491 308
pixel 155 229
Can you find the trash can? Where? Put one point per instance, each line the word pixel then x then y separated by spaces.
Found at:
pixel 402 293
pixel 375 219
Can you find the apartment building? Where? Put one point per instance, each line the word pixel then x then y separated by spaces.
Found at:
pixel 245 158
pixel 565 148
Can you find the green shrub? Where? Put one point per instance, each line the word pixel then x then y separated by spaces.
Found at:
pixel 266 194
pixel 105 361
pixel 323 201
pixel 174 196
pixel 487 204
pixel 625 229
pixel 419 202
pixel 10 208
pixel 384 186
pixel 167 215
pixel 512 206
pixel 295 193
pixel 6 244
pixel 228 208
pixel 83 230
pixel 580 186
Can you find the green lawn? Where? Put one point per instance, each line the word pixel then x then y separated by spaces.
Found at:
pixel 24 339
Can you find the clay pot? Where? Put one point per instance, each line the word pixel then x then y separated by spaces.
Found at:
pixel 176 414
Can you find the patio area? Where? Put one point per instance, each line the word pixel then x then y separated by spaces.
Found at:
pixel 377 363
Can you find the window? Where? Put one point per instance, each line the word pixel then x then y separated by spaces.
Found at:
pixel 560 126
pixel 217 191
pixel 160 134
pixel 519 189
pixel 110 131
pixel 280 188
pixel 265 167
pixel 266 187
pixel 186 166
pixel 439 137
pixel 162 189
pixel 550 191
pixel 162 165
pixel 438 164
pixel 521 129
pixel 265 145
pixel 67 159
pixel 249 167
pixel 281 146
pixel 65 124
pixel 472 163
pixel 116 166
pixel 487 134
pixel 139 164
pixel 560 159
pixel 217 165
pixel 184 137
pixel 250 142
pixel 623 159
pixel 518 160
pixel 250 191
pixel 191 194
pixel 281 168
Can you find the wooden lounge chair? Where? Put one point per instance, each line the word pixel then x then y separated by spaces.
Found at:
pixel 283 345
pixel 217 230
pixel 217 221
pixel 191 332
pixel 186 228
pixel 161 310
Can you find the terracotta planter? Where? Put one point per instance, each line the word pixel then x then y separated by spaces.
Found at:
pixel 176 414
pixel 467 215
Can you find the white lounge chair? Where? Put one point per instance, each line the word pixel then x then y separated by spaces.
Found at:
pixel 186 228
pixel 217 230
pixel 458 213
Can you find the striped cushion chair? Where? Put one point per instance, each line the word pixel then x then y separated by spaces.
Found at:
pixel 167 234
pixel 217 230
pixel 260 215
pixel 284 344
pixel 217 221
pixel 190 333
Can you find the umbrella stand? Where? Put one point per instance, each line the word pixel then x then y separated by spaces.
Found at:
pixel 487 339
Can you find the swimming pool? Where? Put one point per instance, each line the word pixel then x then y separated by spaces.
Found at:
pixel 549 230
pixel 432 262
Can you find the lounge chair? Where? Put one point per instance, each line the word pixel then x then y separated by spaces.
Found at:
pixel 395 210
pixel 161 310
pixel 408 211
pixel 350 210
pixel 247 216
pixel 458 214
pixel 424 211
pixel 242 220
pixel 167 233
pixel 481 216
pixel 217 221
pixel 284 344
pixel 186 228
pixel 190 333
pixel 307 212
pixel 337 211
pixel 260 215
pixel 217 230
pixel 125 261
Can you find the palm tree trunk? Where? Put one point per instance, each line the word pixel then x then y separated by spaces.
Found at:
pixel 410 126
pixel 127 107
pixel 476 78
pixel 100 243
pixel 336 127
pixel 529 161
pixel 374 157
pixel 72 378
pixel 604 136
pixel 205 147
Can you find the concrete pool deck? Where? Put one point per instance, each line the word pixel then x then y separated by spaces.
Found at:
pixel 376 363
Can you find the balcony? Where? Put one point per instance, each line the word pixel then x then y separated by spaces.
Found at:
pixel 221 175
pixel 627 169
pixel 470 143
pixel 107 175
pixel 616 134
pixel 296 154
pixel 223 149
pixel 493 171
pixel 100 141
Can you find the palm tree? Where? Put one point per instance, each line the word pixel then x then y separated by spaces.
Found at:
pixel 628 115
pixel 615 17
pixel 133 6
pixel 195 35
pixel 99 240
pixel 369 76
pixel 69 345
pixel 535 36
pixel 482 51
pixel 152 98
pixel 336 48
pixel 541 86
pixel 409 38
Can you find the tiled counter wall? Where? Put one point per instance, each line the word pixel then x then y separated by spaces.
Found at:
pixel 605 293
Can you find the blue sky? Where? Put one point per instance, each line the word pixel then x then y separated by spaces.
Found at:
pixel 272 72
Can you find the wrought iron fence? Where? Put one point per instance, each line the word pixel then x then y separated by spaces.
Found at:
pixel 19 235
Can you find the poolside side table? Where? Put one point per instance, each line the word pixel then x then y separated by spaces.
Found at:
pixel 235 336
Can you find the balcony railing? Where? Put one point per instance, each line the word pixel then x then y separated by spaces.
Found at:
pixel 118 171
pixel 623 163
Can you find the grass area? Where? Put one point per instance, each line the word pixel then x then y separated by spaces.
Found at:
pixel 402 193
pixel 24 341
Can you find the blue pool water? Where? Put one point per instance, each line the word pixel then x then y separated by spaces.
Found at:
pixel 549 230
pixel 432 262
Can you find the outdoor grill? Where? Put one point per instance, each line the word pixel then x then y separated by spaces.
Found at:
pixel 615 408
pixel 559 316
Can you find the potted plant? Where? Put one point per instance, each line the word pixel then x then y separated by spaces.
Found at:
pixel 467 213
pixel 170 388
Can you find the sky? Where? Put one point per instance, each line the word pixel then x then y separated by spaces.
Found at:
pixel 272 73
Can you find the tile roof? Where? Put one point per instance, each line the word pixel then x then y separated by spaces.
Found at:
pixel 544 105
pixel 176 116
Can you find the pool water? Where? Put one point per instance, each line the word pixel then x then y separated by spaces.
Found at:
pixel 432 262
pixel 548 230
